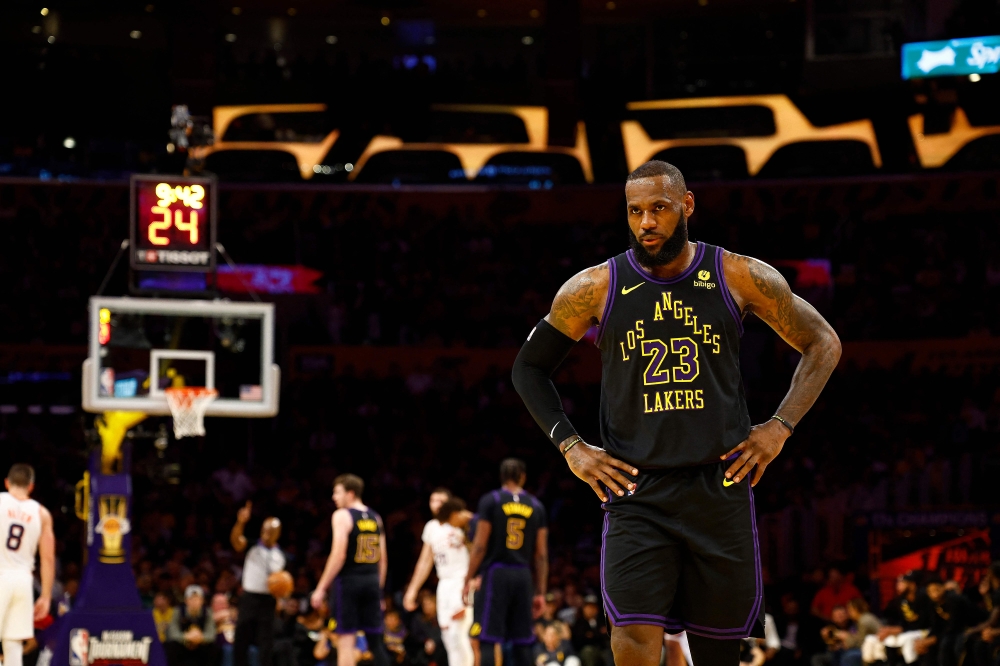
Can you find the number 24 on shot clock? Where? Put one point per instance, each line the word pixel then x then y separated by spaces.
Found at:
pixel 173 223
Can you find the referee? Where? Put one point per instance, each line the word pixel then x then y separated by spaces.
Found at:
pixel 255 623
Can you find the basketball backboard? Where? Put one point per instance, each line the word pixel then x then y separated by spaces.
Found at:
pixel 141 346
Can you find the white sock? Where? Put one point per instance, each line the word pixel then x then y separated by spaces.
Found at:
pixel 12 651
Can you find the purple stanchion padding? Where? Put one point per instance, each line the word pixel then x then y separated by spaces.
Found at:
pixel 107 625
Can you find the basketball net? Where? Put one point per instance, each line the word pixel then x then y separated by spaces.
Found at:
pixel 187 406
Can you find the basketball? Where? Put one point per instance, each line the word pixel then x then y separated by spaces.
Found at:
pixel 280 584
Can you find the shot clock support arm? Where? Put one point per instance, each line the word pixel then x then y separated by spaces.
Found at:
pixel 114 265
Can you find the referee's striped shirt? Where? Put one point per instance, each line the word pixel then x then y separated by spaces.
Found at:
pixel 260 563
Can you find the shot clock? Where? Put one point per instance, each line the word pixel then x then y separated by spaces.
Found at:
pixel 173 223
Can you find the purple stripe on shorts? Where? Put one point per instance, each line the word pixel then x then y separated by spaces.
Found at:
pixel 612 290
pixel 489 597
pixel 759 593
pixel 724 288
pixel 609 605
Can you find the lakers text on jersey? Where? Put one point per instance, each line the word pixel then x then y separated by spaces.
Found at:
pixel 671 393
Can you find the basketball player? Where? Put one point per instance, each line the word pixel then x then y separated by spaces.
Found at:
pixel 357 567
pixel 511 535
pixel 444 547
pixel 26 528
pixel 679 543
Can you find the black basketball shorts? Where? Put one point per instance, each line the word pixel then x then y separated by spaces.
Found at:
pixel 502 607
pixel 680 552
pixel 356 605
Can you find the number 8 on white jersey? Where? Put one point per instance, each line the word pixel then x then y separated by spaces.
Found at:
pixel 20 530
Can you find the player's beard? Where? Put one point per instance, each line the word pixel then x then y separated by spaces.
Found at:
pixel 670 250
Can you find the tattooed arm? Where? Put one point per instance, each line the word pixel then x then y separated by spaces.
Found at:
pixel 761 290
pixel 579 303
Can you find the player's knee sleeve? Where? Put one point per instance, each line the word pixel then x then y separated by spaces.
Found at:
pixel 12 653
pixel 714 652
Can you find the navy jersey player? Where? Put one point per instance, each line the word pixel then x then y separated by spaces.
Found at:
pixel 511 539
pixel 679 549
pixel 357 568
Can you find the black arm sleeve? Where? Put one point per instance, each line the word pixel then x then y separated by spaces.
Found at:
pixel 541 354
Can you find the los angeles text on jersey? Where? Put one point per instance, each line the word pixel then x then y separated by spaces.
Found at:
pixel 674 359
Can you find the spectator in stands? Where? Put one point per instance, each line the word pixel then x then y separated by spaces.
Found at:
pixel 798 633
pixel 836 636
pixel 163 614
pixel 191 634
pixel 865 625
pixel 837 591
pixel 425 634
pixel 395 636
pixel 590 634
pixel 550 610
pixel 285 623
pixel 910 618
pixel 553 649
pixel 983 640
pixel 309 646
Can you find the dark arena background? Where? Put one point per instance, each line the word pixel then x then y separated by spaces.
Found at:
pixel 395 191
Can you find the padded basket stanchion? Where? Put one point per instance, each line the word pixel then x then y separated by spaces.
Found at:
pixel 188 405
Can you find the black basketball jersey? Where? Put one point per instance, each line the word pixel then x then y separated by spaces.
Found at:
pixel 671 391
pixel 364 549
pixel 516 520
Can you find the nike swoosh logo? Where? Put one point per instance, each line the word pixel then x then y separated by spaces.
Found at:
pixel 554 429
pixel 626 290
pixel 726 483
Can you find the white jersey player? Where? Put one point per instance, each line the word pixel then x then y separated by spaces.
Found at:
pixel 445 548
pixel 25 528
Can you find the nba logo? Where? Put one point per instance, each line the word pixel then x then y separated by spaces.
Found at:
pixel 79 643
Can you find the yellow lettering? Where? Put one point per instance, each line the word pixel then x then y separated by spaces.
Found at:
pixel 679 397
pixel 624 355
pixel 715 341
pixel 699 399
pixel 645 403
pixel 667 406
pixel 687 316
pixel 630 337
pixel 659 405
pixel 678 310
pixel 695 325
pixel 707 329
pixel 638 327
pixel 667 304
pixel 659 313
pixel 367 525
pixel 688 399
pixel 518 509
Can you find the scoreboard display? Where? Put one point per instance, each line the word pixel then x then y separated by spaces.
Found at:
pixel 173 223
